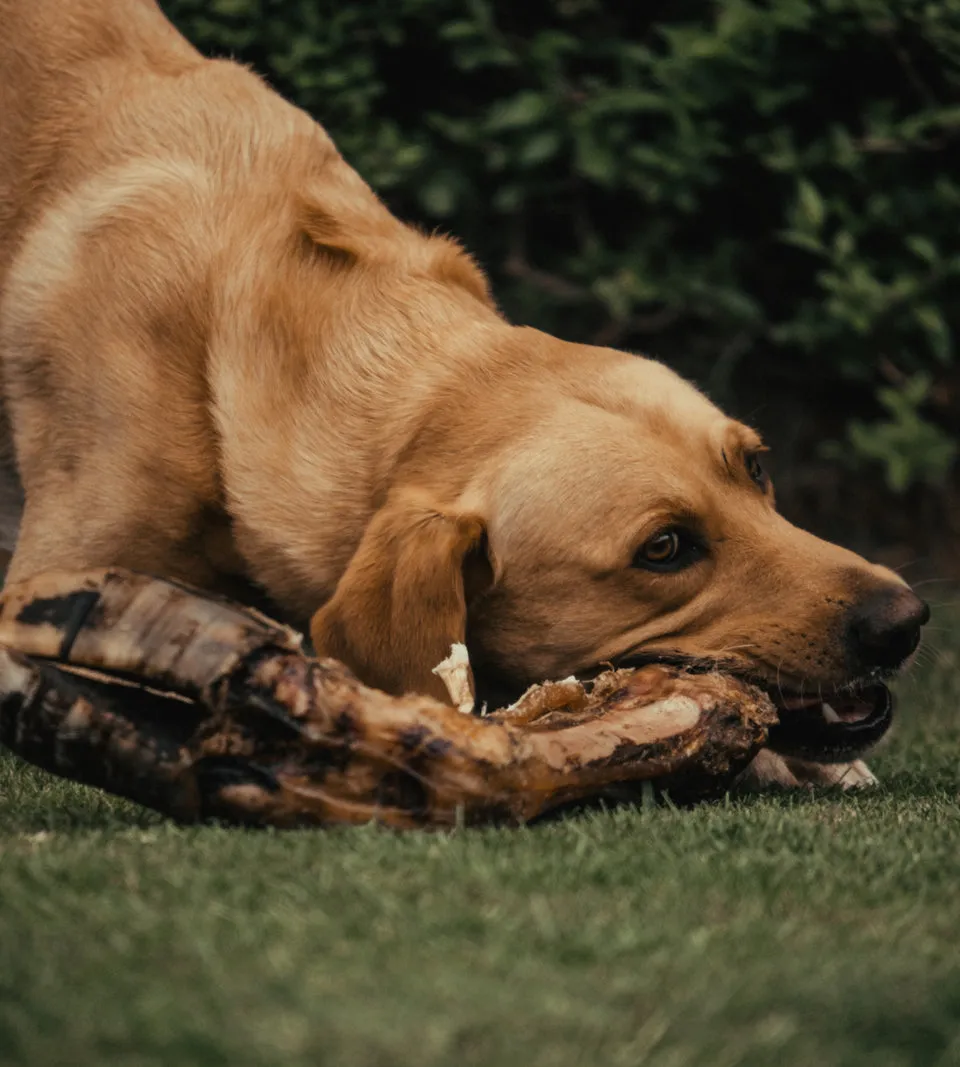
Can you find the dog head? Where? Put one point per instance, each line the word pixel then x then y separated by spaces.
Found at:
pixel 606 512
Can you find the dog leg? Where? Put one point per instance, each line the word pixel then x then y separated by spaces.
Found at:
pixel 86 525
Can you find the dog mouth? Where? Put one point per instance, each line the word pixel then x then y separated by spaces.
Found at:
pixel 834 725
pixel 830 725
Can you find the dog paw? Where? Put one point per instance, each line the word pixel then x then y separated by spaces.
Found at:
pixel 768 768
pixel 855 775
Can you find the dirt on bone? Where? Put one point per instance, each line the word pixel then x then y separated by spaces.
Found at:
pixel 258 733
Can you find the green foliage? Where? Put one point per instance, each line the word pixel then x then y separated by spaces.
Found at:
pixel 909 448
pixel 748 188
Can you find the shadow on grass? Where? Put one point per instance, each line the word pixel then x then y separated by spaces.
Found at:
pixel 33 801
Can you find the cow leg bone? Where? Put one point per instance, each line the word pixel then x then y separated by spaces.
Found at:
pixel 76 727
pixel 284 740
pixel 156 631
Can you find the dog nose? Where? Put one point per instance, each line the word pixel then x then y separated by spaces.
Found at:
pixel 885 627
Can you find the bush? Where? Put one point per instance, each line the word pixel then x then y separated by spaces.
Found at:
pixel 756 191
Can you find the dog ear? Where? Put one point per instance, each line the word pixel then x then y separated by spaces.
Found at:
pixel 350 228
pixel 346 221
pixel 402 601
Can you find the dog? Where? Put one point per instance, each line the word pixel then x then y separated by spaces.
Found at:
pixel 225 361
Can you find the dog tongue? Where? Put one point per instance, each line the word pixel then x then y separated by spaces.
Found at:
pixel 846 709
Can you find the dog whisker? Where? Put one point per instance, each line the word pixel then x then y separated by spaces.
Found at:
pixel 910 563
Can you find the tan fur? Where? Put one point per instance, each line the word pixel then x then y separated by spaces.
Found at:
pixel 224 359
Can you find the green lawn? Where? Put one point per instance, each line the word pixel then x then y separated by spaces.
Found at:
pixel 805 930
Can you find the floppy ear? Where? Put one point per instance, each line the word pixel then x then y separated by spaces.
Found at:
pixel 347 223
pixel 345 220
pixel 402 602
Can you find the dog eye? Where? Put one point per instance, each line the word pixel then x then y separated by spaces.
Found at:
pixel 756 471
pixel 668 550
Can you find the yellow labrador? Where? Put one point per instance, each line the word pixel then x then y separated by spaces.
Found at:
pixel 225 361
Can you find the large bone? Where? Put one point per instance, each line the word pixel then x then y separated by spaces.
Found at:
pixel 201 709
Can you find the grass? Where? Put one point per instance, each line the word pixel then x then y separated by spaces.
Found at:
pixel 794 930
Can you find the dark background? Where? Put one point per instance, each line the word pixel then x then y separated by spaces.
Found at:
pixel 764 194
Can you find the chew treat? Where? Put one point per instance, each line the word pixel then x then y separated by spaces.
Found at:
pixel 202 709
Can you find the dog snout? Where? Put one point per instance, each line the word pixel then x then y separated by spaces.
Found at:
pixel 885 628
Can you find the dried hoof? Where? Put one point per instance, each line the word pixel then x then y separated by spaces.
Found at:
pixel 199 708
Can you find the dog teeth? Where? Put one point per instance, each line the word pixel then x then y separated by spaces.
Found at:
pixel 829 714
